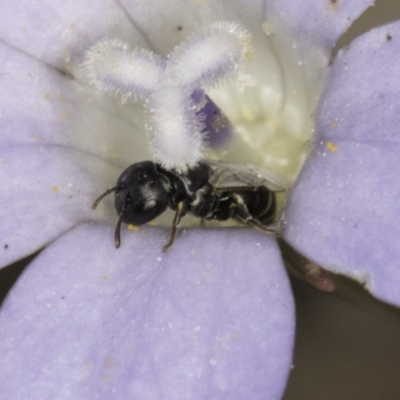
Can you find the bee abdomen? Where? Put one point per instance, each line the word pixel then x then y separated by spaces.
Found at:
pixel 261 204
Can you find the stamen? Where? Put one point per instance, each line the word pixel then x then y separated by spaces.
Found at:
pixel 167 87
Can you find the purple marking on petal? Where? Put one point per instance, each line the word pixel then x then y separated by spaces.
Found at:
pixel 212 318
pixel 198 96
pixel 217 127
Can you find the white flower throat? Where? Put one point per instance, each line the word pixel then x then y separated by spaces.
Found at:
pixel 270 129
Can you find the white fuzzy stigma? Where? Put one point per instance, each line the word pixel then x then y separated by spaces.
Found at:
pixel 215 52
pixel 113 67
pixel 176 131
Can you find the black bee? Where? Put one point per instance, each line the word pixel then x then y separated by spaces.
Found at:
pixel 212 190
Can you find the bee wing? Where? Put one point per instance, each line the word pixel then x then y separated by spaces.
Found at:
pixel 230 175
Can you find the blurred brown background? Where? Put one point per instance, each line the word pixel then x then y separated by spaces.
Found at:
pixel 348 344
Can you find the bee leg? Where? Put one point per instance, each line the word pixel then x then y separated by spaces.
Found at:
pixel 241 213
pixel 175 223
pixel 117 233
pixel 257 224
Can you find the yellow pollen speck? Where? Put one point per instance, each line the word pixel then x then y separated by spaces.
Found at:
pixel 47 96
pixel 250 53
pixel 108 362
pixel 153 223
pixel 333 124
pixel 334 4
pixel 331 147
pixel 219 122
pixel 55 189
pixel 66 54
pixel 105 277
pixel 272 123
pixel 63 116
pixel 35 137
pixel 247 114
pixel 132 227
pixel 267 28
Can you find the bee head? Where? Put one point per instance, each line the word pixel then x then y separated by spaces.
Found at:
pixel 140 195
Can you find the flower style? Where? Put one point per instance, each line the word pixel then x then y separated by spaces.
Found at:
pixel 214 317
pixel 172 89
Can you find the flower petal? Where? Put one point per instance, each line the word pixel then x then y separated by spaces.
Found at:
pixel 179 19
pixel 46 191
pixel 361 100
pixel 212 318
pixel 317 22
pixel 59 33
pixel 41 106
pixel 51 167
pixel 343 210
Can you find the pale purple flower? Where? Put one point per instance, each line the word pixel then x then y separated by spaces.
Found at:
pixel 214 317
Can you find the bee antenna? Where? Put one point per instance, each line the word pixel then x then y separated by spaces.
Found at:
pixel 100 198
pixel 117 234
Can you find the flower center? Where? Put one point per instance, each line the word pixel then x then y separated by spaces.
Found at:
pixel 271 109
pixel 274 118
pixel 169 87
pixel 270 105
